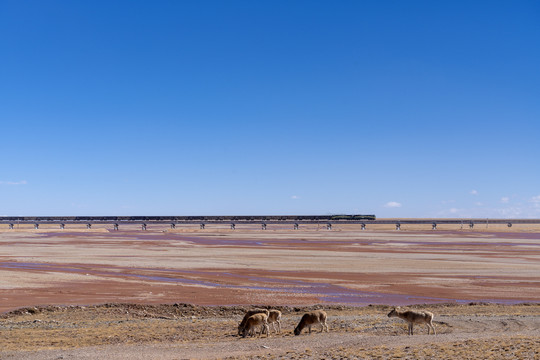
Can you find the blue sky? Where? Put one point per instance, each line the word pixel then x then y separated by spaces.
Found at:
pixel 393 108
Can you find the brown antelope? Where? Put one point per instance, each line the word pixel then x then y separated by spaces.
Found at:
pixel 273 318
pixel 312 318
pixel 260 319
pixel 247 315
pixel 414 317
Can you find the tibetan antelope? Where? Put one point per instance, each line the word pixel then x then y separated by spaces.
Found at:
pixel 274 317
pixel 260 319
pixel 312 318
pixel 414 317
pixel 247 315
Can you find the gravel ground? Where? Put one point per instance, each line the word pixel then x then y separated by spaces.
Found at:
pixel 184 331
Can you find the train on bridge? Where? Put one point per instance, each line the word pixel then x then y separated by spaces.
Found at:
pixel 211 218
pixel 262 220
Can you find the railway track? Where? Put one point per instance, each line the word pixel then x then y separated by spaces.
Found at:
pixel 233 221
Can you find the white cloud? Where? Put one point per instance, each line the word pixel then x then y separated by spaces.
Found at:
pixel 489 212
pixel 392 204
pixel 535 200
pixel 295 197
pixel 478 203
pixel 22 182
pixel 474 192
pixel 505 199
pixel 511 212
pixel 452 212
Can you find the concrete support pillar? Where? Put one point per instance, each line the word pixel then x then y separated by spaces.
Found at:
pixel 363 226
pixel 263 226
pixel 328 226
pixel 36 226
pixel 11 226
pixel 173 226
pixel 116 227
pixel 143 227
pixel 88 226
pixel 295 226
pixel 62 226
pixel 398 226
pixel 434 226
pixel 202 226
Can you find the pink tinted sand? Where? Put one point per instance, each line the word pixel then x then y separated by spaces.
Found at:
pixel 281 267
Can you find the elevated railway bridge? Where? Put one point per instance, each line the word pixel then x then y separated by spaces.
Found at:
pixel 292 220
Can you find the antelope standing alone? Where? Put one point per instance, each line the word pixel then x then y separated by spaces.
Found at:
pixel 414 317
pixel 312 318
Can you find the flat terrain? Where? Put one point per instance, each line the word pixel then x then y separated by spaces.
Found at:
pixel 53 285
pixel 180 331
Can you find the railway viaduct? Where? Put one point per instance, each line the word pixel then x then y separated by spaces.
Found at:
pixel 293 220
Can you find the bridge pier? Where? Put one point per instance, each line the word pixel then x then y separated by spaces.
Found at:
pixel 233 226
pixel 173 226
pixel 116 227
pixel 62 226
pixel 263 226
pixel 295 226
pixel 398 226
pixel 434 226
pixel 363 227
pixel 202 226
pixel 36 226
pixel 328 226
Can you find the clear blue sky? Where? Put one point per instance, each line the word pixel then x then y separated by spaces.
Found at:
pixel 393 108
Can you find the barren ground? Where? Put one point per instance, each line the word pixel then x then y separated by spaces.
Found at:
pixel 181 331
pixel 53 281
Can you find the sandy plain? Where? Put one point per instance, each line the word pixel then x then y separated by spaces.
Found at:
pixel 48 271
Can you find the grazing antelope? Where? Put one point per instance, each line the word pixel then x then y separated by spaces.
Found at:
pixel 260 319
pixel 312 318
pixel 247 315
pixel 273 318
pixel 414 317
